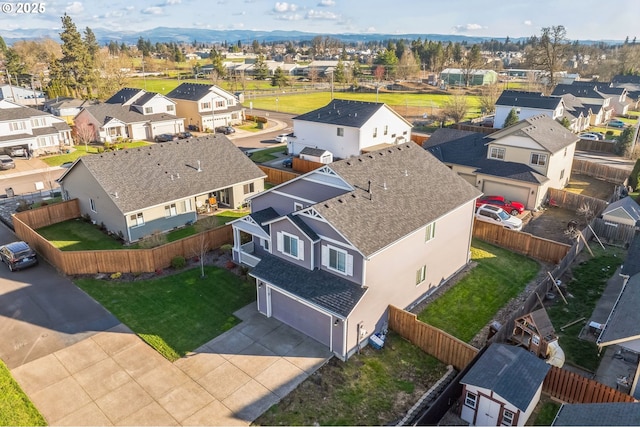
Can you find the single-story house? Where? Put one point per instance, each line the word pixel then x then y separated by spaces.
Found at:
pixel 159 187
pixel 624 211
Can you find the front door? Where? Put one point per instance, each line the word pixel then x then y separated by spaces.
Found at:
pixel 488 412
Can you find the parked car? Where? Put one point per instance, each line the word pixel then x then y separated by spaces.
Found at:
pixel 588 135
pixel 514 208
pixel 601 136
pixel 496 215
pixel 226 130
pixel 184 135
pixel 165 137
pixel 6 162
pixel 18 255
pixel 282 137
pixel 288 162
pixel 17 152
pixel 617 123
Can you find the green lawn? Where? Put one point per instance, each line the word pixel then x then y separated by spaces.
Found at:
pixel 178 313
pixel 586 287
pixel 78 235
pixel 372 388
pixel 82 150
pixel 470 304
pixel 15 407
pixel 547 414
pixel 265 155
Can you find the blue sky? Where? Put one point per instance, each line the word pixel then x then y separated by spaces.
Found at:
pixel 585 19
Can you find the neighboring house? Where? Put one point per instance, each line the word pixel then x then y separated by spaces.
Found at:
pixel 623 324
pixel 631 84
pixel 618 95
pixel 65 108
pixel 598 414
pixel 502 387
pixel 599 103
pixel 316 155
pixel 36 130
pixel 331 249
pixel 534 332
pixel 520 162
pixel 347 128
pixel 160 187
pixel 624 211
pixel 22 95
pixel 205 106
pixel 457 76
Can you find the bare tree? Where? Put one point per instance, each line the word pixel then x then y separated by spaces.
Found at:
pixel 84 133
pixel 549 52
pixel 488 96
pixel 470 63
pixel 407 65
pixel 455 107
pixel 204 243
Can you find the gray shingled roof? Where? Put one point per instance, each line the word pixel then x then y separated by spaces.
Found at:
pixel 142 177
pixel 145 98
pixel 124 95
pixel 126 114
pixel 304 227
pixel 509 371
pixel 517 98
pixel 409 188
pixel 190 91
pixel 343 113
pixel 265 215
pixel 310 151
pixel 623 321
pixel 629 205
pixel 8 114
pixel 319 287
pixel 547 132
pixel 598 414
pixel 581 91
pixel 631 265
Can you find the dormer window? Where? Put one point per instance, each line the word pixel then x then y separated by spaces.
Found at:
pixel 148 110
pixel 496 153
pixel 17 126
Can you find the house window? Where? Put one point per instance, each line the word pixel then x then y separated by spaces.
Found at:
pixel 496 153
pixel 507 418
pixel 137 220
pixel 470 400
pixel 538 159
pixel 404 132
pixel 92 204
pixel 205 106
pixel 386 129
pixel 17 126
pixel 565 151
pixel 42 141
pixel 220 104
pixel 265 244
pixel 430 232
pixel 337 260
pixel 421 274
pixel 170 210
pixel 248 188
pixel 535 340
pixel 375 132
pixel 148 110
pixel 290 245
pixel 186 205
pixel 171 107
pixel 37 122
pixel 340 132
pixel 562 174
pixel 297 206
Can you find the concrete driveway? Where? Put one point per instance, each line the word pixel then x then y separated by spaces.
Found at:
pixel 114 378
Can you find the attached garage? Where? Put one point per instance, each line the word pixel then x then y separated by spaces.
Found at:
pixel 471 179
pixel 508 191
pixel 300 316
pixel 166 127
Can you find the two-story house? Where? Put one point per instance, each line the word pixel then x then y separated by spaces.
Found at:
pixel 348 128
pixel 331 249
pixel 22 95
pixel 130 113
pixel 205 106
pixel 520 162
pixel 599 103
pixel 32 129
pixel 159 187
pixel 618 95
pixel 66 108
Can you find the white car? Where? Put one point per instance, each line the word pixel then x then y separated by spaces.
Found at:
pixel 591 136
pixel 496 215
pixel 281 138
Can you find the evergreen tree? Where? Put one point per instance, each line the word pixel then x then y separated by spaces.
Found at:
pixel 512 118
pixel 3 48
pixel 218 66
pixel 92 44
pixel 279 78
pixel 261 71
pixel 75 63
pixel 339 74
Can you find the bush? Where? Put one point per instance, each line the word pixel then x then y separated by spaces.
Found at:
pixel 226 249
pixel 153 240
pixel 23 205
pixel 178 262
pixel 634 178
pixel 116 276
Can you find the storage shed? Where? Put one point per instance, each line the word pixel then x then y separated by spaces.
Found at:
pixel 317 155
pixel 624 211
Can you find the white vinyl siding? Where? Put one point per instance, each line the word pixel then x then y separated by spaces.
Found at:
pixel 337 260
pixel 290 245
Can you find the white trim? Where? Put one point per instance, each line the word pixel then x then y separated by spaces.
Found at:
pixel 346 187
pixel 337 242
pixel 327 262
pixel 310 212
pixel 299 245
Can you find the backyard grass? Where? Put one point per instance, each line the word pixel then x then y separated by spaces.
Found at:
pixel 376 387
pixel 221 217
pixel 468 306
pixel 15 407
pixel 585 288
pixel 78 235
pixel 546 413
pixel 178 313
pixel 82 150
pixel 267 154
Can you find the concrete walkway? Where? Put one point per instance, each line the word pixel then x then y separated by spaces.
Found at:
pixel 114 378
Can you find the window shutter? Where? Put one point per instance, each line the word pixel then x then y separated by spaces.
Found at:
pixel 300 249
pixel 325 255
pixel 349 265
pixel 280 241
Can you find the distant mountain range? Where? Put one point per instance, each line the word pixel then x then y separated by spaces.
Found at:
pixel 188 35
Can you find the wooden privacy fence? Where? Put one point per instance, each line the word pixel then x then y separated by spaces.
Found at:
pixel 570 387
pixel 50 214
pixel 592 145
pixel 277 176
pixel 573 201
pixel 606 173
pixel 613 233
pixel 431 340
pixel 304 166
pixel 523 243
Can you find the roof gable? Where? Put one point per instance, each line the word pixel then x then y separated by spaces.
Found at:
pixel 544 130
pixel 124 95
pixel 535 100
pixel 196 91
pixel 628 205
pixel 344 113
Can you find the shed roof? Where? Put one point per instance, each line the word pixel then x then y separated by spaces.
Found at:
pixel 627 204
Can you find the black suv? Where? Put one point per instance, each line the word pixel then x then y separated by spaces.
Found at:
pixel 18 255
pixel 225 130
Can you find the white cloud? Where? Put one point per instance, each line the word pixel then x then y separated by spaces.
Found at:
pixel 75 7
pixel 528 23
pixel 171 2
pixel 130 8
pixel 289 17
pixel 322 15
pixel 468 27
pixel 371 30
pixel 239 13
pixel 326 3
pixel 153 10
pixel 284 7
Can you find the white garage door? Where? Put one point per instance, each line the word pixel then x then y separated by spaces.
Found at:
pixel 511 192
pixel 166 128
pixel 300 316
